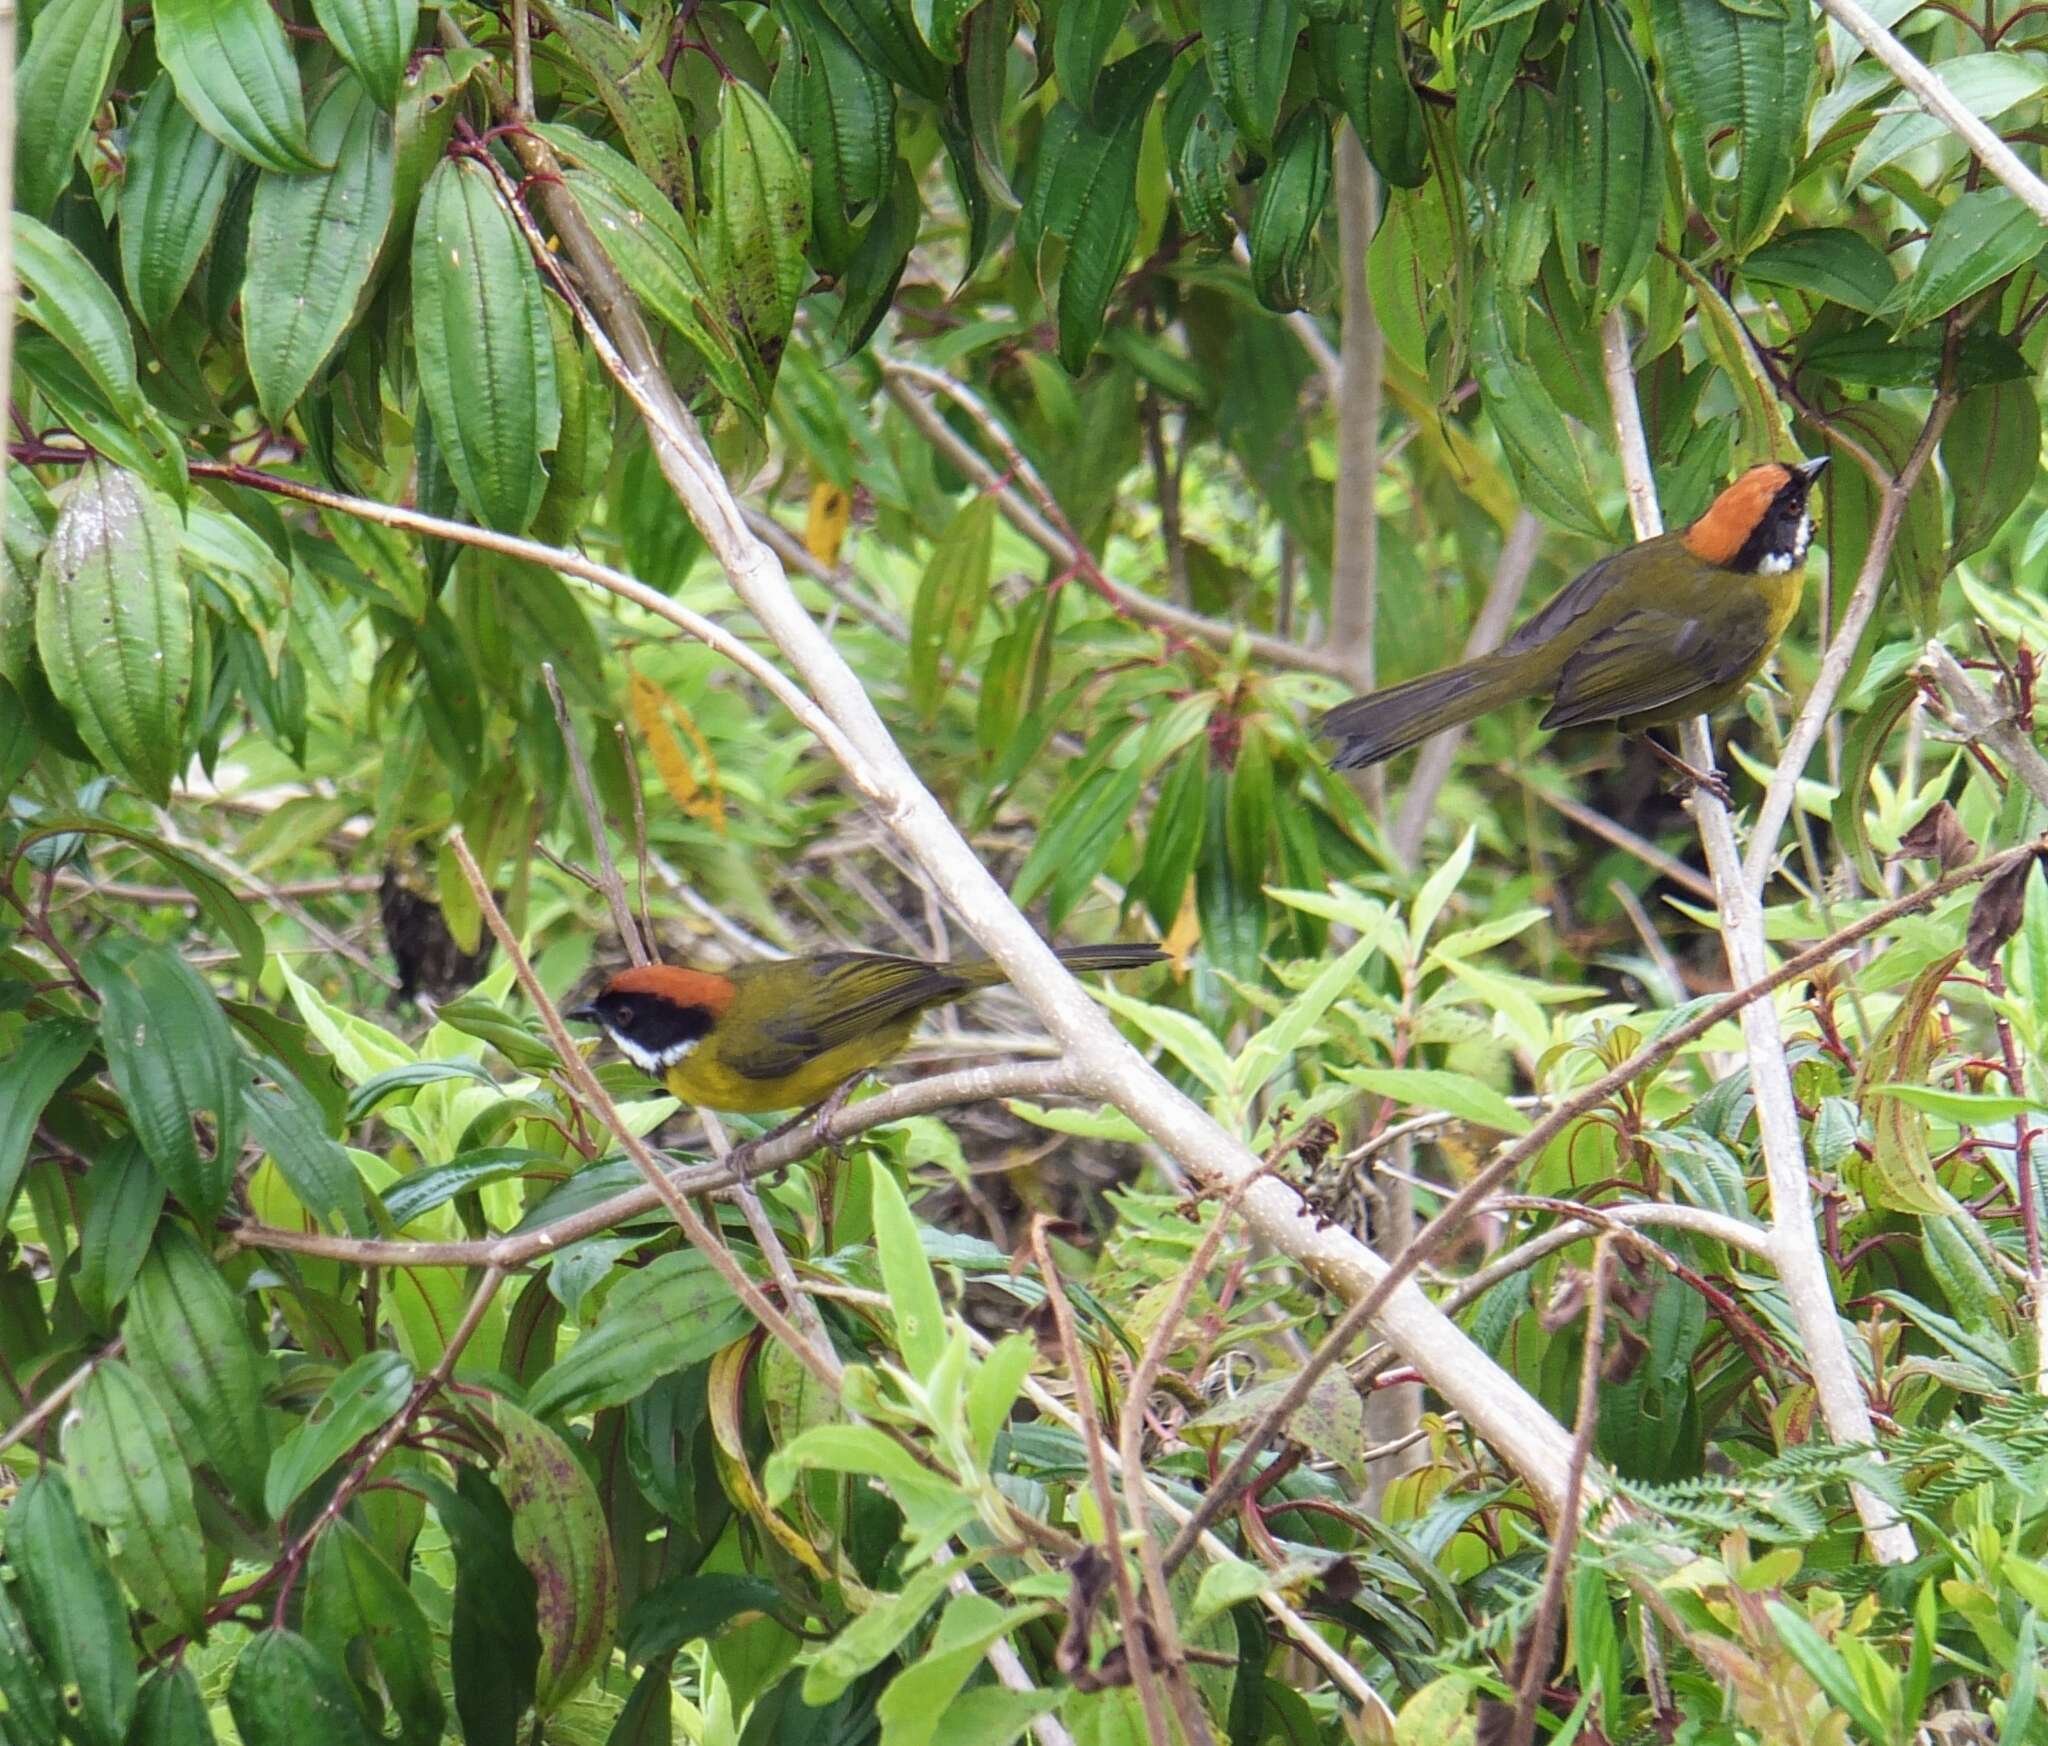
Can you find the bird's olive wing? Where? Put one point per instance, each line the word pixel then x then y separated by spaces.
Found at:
pixel 1573 601
pixel 848 995
pixel 1651 660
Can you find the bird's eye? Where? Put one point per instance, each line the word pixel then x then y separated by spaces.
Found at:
pixel 622 1016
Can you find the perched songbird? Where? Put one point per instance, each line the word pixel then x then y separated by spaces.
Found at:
pixel 783 1035
pixel 1673 627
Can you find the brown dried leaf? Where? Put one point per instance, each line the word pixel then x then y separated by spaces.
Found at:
pixel 1938 836
pixel 2000 907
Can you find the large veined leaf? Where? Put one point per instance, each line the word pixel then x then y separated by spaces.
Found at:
pixel 189 1343
pixel 625 71
pixel 1610 154
pixel 1250 45
pixel 128 1476
pixel 842 111
pixel 1987 85
pixel 1540 450
pixel 486 359
pixel 559 1529
pixel 234 70
pixel 1741 79
pixel 286 1691
pixel 174 1060
pixel 1979 238
pixel 312 242
pixel 44 1055
pixel 1362 61
pixel 357 1606
pixel 171 197
pixel 886 33
pixel 1292 195
pixel 1990 452
pixel 73 1608
pixel 759 196
pixel 374 37
pixel 57 88
pixel 1082 194
pixel 62 294
pixel 950 601
pixel 114 625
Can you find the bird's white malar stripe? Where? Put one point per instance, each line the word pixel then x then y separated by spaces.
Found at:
pixel 653 1061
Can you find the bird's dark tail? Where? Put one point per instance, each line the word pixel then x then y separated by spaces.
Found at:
pixel 1114 956
pixel 1374 727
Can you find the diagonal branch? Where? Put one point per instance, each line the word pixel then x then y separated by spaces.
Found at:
pixel 1796 1249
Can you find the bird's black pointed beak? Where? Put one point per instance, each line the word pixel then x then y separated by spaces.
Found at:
pixel 586 1014
pixel 1812 470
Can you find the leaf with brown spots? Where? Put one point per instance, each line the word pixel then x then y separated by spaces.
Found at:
pixel 559 1531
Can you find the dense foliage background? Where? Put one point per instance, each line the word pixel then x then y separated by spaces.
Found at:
pixel 1119 384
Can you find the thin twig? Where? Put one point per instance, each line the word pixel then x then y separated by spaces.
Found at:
pixel 1137 1638
pixel 1542 1633
pixel 1977 717
pixel 762 1157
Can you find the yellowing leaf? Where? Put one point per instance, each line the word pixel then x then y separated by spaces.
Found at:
pixel 1185 934
pixel 825 526
pixel 652 707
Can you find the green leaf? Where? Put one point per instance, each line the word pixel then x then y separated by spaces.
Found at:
pixel 656 256
pixel 1086 197
pixel 582 458
pixel 842 110
pixel 1083 31
pixel 417 1194
pixel 1987 85
pixel 286 1692
pixel 124 1198
pixel 1363 63
pixel 872 276
pixel 312 243
pixel 46 1054
pixel 62 294
pixel 950 602
pixel 625 71
pixel 1824 1661
pixel 26 1697
pixel 486 360
pixel 1610 161
pixel 1202 157
pixel 128 1477
pixel 362 1398
pixel 907 1279
pixel 670 1314
pixel 375 37
pixel 1545 461
pixel 114 625
pixel 1082 828
pixel 1271 1048
pixel 1292 195
pixel 171 1711
pixel 1971 1108
pixel 1851 510
pixel 885 32
pixel 57 88
pixel 188 1341
pixel 1737 80
pixel 1250 46
pixel 1990 454
pixel 1979 238
pixel 174 1060
pixel 234 71
pixel 72 1606
pixel 171 198
pixel 1173 839
pixel 559 1529
pixel 357 1606
pixel 1438 1089
pixel 758 223
pixel 928 1695
pixel 493 1643
pixel 1841 266
pixel 286 1120
pixel 685 1609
